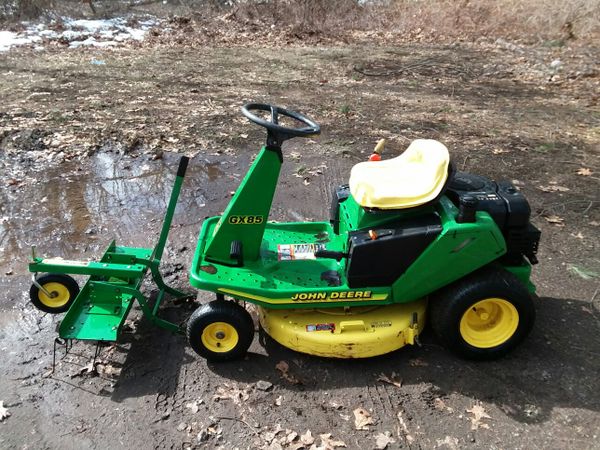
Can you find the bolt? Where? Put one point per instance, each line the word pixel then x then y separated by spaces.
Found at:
pixel 220 335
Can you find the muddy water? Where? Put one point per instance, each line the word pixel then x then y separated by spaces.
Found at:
pixel 73 210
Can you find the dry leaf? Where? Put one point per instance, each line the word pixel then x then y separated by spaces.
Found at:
pixel 499 151
pixel 417 362
pixel 227 392
pixel 439 404
pixel 284 368
pixel 362 419
pixel 584 171
pixel 404 428
pixel 193 406
pixel 329 444
pixel 4 413
pixel 450 441
pixel 382 440
pixel 88 369
pixel 556 220
pixel 108 370
pixel 478 414
pixel 268 436
pixel 392 379
pixel 554 188
pixel 291 437
pixel 307 438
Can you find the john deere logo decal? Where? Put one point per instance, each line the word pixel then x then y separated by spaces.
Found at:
pixel 310 296
pixel 245 220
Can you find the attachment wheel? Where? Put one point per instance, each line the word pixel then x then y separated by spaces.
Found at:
pixel 63 290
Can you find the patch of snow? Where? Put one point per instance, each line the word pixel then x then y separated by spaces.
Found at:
pixel 9 39
pixel 79 33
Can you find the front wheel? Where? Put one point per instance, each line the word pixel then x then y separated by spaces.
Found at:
pixel 58 294
pixel 483 316
pixel 220 331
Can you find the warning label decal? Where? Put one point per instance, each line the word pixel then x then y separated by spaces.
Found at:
pixel 289 252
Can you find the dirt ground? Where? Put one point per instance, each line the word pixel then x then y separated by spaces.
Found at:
pixel 87 154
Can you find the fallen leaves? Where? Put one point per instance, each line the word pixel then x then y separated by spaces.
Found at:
pixel 584 171
pixel 194 406
pixel 403 429
pixel 307 438
pixel 440 405
pixel 382 440
pixel 554 188
pixel 327 443
pixel 362 419
pixel 555 220
pixel 231 392
pixel 4 413
pixel 479 414
pixel 263 385
pixel 417 362
pixel 393 379
pixel 284 368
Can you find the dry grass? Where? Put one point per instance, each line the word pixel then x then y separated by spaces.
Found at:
pixel 543 19
pixel 554 21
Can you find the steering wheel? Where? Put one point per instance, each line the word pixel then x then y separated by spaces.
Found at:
pixel 277 134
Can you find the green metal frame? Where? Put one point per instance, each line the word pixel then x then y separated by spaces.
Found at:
pixel 264 279
pixel 102 305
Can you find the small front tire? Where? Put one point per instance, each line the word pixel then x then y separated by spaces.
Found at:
pixel 220 331
pixel 63 290
pixel 483 316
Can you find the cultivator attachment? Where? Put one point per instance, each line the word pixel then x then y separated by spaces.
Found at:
pixel 100 309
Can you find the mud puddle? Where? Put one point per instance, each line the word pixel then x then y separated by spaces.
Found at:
pixel 74 209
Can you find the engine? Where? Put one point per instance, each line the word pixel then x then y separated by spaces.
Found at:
pixel 506 205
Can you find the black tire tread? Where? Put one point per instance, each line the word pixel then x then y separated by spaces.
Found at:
pixel 220 311
pixel 66 280
pixel 447 306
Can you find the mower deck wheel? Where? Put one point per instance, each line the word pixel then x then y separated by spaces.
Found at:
pixel 63 290
pixel 484 315
pixel 220 331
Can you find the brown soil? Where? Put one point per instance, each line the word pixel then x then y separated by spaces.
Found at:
pixel 86 154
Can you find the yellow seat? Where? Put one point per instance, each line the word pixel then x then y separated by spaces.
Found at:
pixel 415 177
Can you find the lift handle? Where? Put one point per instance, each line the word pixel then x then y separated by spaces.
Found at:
pixel 183 163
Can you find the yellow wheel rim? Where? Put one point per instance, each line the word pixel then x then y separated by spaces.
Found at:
pixel 220 337
pixel 489 323
pixel 61 295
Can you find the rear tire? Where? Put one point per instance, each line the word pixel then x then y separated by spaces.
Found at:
pixel 220 331
pixel 63 288
pixel 484 315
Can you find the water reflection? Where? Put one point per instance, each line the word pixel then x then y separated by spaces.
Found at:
pixel 74 210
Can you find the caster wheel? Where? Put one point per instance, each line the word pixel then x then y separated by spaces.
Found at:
pixel 220 331
pixel 63 290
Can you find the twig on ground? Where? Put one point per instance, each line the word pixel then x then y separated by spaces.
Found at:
pixel 239 420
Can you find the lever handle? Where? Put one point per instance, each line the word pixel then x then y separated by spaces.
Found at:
pixel 183 163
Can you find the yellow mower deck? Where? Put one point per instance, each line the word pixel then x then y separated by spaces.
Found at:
pixel 359 332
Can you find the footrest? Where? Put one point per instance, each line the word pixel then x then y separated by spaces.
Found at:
pixel 98 312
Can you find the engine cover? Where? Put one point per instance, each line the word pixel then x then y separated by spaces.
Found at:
pixel 507 206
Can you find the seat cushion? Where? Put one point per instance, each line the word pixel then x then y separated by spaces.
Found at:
pixel 415 177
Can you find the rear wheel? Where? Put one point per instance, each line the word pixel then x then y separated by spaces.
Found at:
pixel 483 316
pixel 220 331
pixel 61 291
